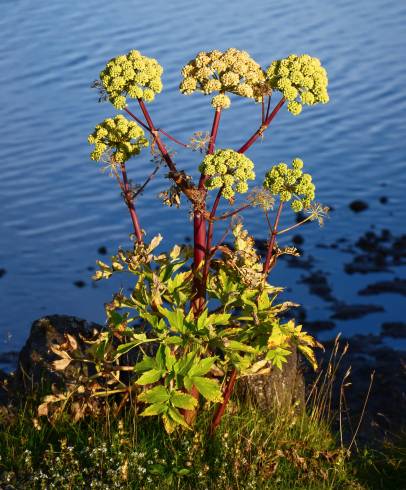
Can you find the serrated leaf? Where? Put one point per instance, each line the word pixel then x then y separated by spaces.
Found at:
pixel 154 243
pixel 61 364
pixel 169 424
pixel 157 394
pixel 154 409
pixel 170 359
pixel 175 252
pixel 150 377
pixel 177 417
pixel 219 319
pixel 309 354
pixel 183 400
pixel 202 367
pixel 209 388
pixel 239 346
pixel 172 340
pixel 145 364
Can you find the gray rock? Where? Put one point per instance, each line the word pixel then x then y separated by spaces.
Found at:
pixel 279 390
pixel 34 364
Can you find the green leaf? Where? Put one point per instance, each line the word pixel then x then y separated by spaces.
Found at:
pixel 154 409
pixel 202 367
pixel 145 364
pixel 173 340
pixel 183 400
pixel 183 365
pixel 150 377
pixel 187 383
pixel 170 359
pixel 175 318
pixel 160 357
pixel 219 319
pixel 177 417
pixel 239 346
pixel 157 394
pixel 124 348
pixel 278 356
pixel 209 388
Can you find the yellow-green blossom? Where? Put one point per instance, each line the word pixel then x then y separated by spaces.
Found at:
pixel 228 170
pixel 301 79
pixel 290 183
pixel 131 75
pixel 231 71
pixel 124 138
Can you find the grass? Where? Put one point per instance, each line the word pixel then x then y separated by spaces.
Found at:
pixel 250 450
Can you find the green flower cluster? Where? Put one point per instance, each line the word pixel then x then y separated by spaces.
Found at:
pixel 123 137
pixel 132 75
pixel 231 71
pixel 301 79
pixel 228 170
pixel 291 183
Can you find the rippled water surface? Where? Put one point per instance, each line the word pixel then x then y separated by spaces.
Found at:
pixel 57 208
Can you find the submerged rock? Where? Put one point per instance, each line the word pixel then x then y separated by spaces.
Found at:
pixel 344 311
pixel 319 285
pixel 380 252
pixel 396 286
pixel 320 325
pixel 358 206
pixel 396 330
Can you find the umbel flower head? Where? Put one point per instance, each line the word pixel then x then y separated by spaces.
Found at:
pixel 301 79
pixel 231 71
pixel 123 137
pixel 291 183
pixel 228 170
pixel 131 75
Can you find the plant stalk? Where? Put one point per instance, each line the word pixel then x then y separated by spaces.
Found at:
pixel 264 126
pixel 269 253
pixel 129 200
pixel 226 397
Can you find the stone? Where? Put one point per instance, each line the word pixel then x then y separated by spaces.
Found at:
pixel 280 390
pixel 397 330
pixel 358 206
pixel 35 360
pixel 344 311
pixel 397 286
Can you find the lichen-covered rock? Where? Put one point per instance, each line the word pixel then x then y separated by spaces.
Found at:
pixel 279 390
pixel 36 357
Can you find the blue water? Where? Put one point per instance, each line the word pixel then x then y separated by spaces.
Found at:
pixel 57 208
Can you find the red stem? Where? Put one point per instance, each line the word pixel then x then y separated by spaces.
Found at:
pixel 130 204
pixel 259 132
pixel 161 146
pixel 272 240
pixel 226 397
pixel 210 237
pixel 199 226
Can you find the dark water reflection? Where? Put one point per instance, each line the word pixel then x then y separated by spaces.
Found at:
pixel 57 208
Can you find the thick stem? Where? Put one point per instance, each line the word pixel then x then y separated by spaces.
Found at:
pixel 226 397
pixel 209 239
pixel 199 227
pixel 264 126
pixel 130 203
pixel 272 240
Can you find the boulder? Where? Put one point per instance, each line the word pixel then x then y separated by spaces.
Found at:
pixel 280 390
pixel 34 367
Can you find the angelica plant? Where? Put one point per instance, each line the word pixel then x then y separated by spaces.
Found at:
pixel 198 317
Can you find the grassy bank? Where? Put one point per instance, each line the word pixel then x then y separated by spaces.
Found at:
pixel 250 450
